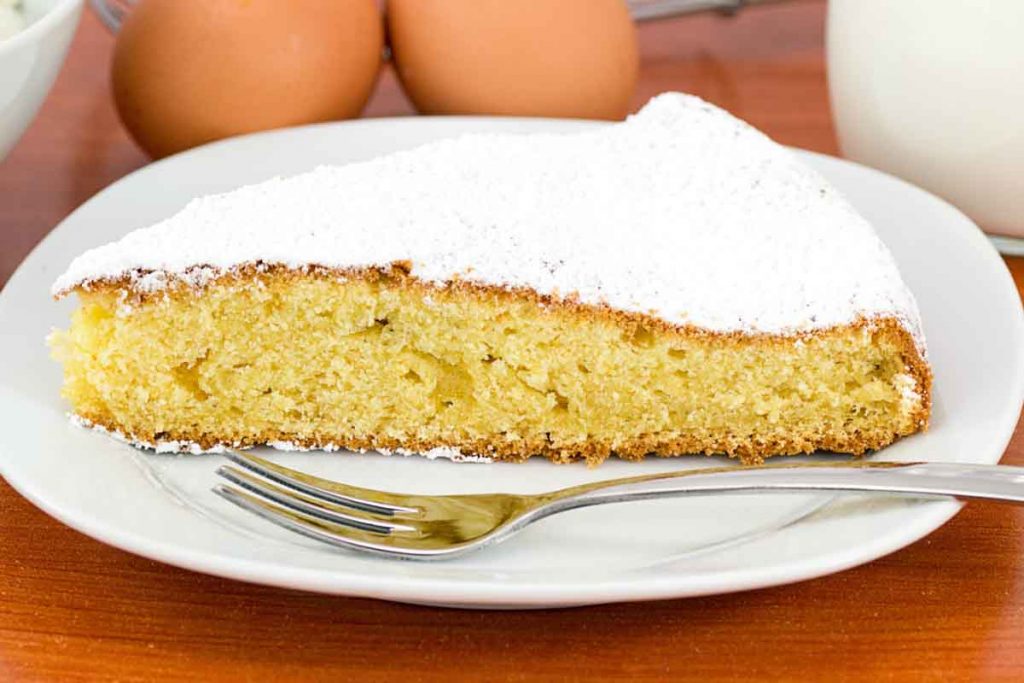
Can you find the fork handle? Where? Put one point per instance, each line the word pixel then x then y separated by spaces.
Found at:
pixel 980 482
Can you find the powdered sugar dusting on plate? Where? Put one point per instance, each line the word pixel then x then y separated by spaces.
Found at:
pixel 174 446
pixel 682 211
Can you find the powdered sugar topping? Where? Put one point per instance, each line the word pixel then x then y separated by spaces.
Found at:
pixel 682 212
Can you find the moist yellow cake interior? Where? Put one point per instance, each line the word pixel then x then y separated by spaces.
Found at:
pixel 383 361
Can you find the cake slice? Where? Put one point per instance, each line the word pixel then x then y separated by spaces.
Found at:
pixel 676 283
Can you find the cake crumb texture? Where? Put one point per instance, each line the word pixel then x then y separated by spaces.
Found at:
pixel 379 359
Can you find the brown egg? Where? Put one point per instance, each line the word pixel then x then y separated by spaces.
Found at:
pixel 189 71
pixel 572 58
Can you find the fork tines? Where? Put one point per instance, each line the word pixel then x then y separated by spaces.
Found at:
pixel 327 511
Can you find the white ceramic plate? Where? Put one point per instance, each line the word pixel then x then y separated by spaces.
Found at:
pixel 161 506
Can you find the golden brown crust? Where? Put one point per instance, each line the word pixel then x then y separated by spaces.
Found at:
pixel 398 274
pixel 593 452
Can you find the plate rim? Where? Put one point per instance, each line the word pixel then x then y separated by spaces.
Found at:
pixel 481 593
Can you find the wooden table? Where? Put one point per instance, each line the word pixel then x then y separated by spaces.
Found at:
pixel 948 607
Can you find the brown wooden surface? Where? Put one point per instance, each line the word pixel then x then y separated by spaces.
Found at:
pixel 948 607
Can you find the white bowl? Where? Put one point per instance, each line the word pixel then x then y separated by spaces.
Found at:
pixel 29 62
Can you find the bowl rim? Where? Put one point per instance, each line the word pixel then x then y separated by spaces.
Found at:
pixel 56 15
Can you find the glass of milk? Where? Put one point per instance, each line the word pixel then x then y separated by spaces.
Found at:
pixel 933 91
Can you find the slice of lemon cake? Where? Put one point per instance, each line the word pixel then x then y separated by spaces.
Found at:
pixel 676 283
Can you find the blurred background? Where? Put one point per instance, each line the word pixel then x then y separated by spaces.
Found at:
pixel 929 91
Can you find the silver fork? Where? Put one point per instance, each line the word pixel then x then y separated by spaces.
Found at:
pixel 413 526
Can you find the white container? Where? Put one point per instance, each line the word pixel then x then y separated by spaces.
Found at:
pixel 29 62
pixel 933 91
